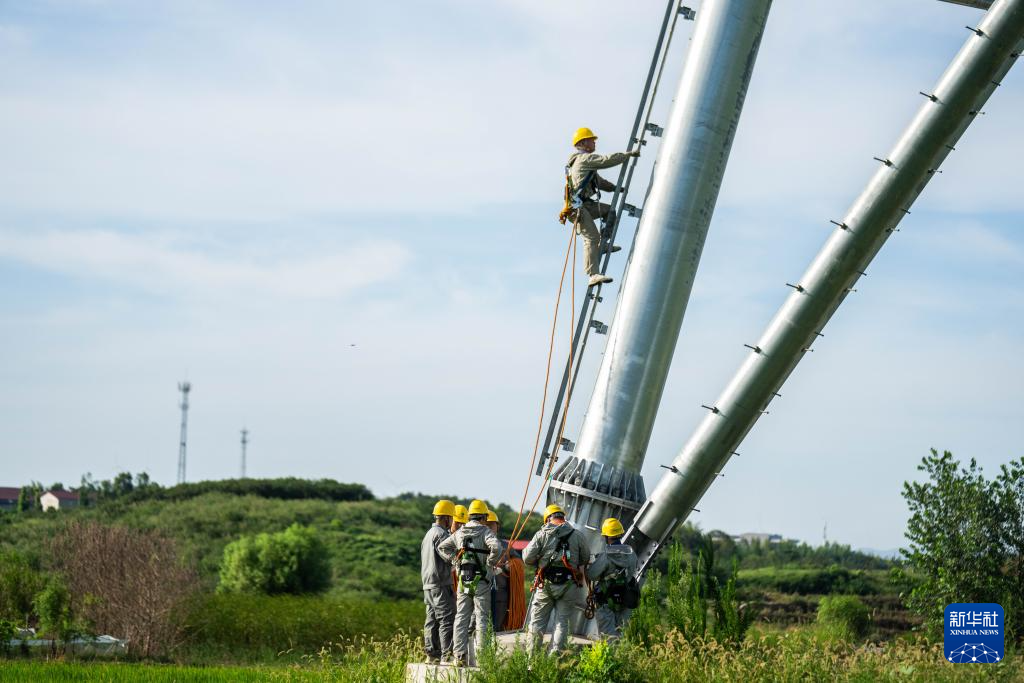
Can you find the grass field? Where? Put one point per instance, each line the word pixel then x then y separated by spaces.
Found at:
pixel 793 656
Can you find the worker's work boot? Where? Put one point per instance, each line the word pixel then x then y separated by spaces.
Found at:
pixel 610 248
pixel 598 279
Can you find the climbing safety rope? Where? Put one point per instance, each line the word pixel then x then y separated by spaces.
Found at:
pixel 520 523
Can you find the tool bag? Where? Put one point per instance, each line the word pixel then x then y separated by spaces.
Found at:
pixel 620 589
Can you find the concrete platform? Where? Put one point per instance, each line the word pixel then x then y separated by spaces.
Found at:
pixel 438 673
pixel 507 641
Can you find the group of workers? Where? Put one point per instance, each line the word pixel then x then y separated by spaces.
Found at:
pixel 462 562
pixel 465 582
pixel 464 565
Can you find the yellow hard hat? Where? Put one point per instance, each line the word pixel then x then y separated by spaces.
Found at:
pixel 461 514
pixel 478 507
pixel 582 134
pixel 552 509
pixel 444 508
pixel 491 517
pixel 612 527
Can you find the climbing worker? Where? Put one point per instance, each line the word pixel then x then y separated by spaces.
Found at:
pixel 560 553
pixel 475 551
pixel 613 578
pixel 499 587
pixel 435 570
pixel 460 517
pixel 583 205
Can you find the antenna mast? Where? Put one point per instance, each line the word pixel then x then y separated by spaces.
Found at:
pixel 184 388
pixel 245 441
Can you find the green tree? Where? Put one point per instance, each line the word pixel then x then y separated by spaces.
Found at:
pixel 291 561
pixel 966 537
pixel 56 620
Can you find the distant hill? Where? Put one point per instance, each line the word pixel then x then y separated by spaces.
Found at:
pixel 374 543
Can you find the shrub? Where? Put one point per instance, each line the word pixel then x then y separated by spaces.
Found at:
pixel 291 561
pixel 239 623
pixel 129 583
pixel 7 633
pixel 19 584
pixel 843 617
pixel 53 605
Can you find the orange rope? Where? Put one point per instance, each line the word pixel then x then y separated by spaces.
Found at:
pixel 517 529
pixel 547 378
pixel 516 616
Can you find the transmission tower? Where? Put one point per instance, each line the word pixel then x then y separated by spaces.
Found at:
pixel 245 441
pixel 184 388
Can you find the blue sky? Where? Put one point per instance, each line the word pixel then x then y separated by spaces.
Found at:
pixel 236 193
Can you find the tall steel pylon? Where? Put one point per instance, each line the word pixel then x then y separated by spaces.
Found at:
pixel 184 388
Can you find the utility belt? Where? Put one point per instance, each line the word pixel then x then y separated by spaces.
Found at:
pixel 557 575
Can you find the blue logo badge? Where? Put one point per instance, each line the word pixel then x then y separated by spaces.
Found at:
pixel 974 633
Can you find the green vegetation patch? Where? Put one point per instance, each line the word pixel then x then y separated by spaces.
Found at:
pixel 816 581
pixel 229 624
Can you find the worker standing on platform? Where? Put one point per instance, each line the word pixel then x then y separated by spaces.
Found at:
pixel 499 587
pixel 435 571
pixel 583 205
pixel 613 577
pixel 475 551
pixel 560 553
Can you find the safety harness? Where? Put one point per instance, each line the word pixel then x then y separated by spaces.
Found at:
pixel 471 570
pixel 574 195
pixel 561 573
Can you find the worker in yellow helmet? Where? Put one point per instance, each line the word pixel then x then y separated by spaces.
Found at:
pixel 583 197
pixel 461 517
pixel 613 578
pixel 435 571
pixel 560 554
pixel 499 587
pixel 475 552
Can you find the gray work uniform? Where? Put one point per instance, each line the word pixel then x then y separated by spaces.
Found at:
pixel 438 595
pixel 500 591
pixel 545 552
pixel 580 165
pixel 472 603
pixel 615 560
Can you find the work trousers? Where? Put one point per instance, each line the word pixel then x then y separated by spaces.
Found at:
pixel 437 629
pixel 564 601
pixel 499 601
pixel 586 227
pixel 469 608
pixel 611 621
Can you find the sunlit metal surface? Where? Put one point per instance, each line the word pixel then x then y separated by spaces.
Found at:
pixel 670 237
pixel 991 49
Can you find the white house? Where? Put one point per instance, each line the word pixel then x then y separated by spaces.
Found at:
pixel 58 500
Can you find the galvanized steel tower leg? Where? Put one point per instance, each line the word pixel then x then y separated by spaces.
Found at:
pixel 602 478
pixel 948 110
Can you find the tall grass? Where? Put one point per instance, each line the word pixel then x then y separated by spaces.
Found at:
pixel 242 627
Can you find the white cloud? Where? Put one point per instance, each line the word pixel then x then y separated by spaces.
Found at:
pixel 164 266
